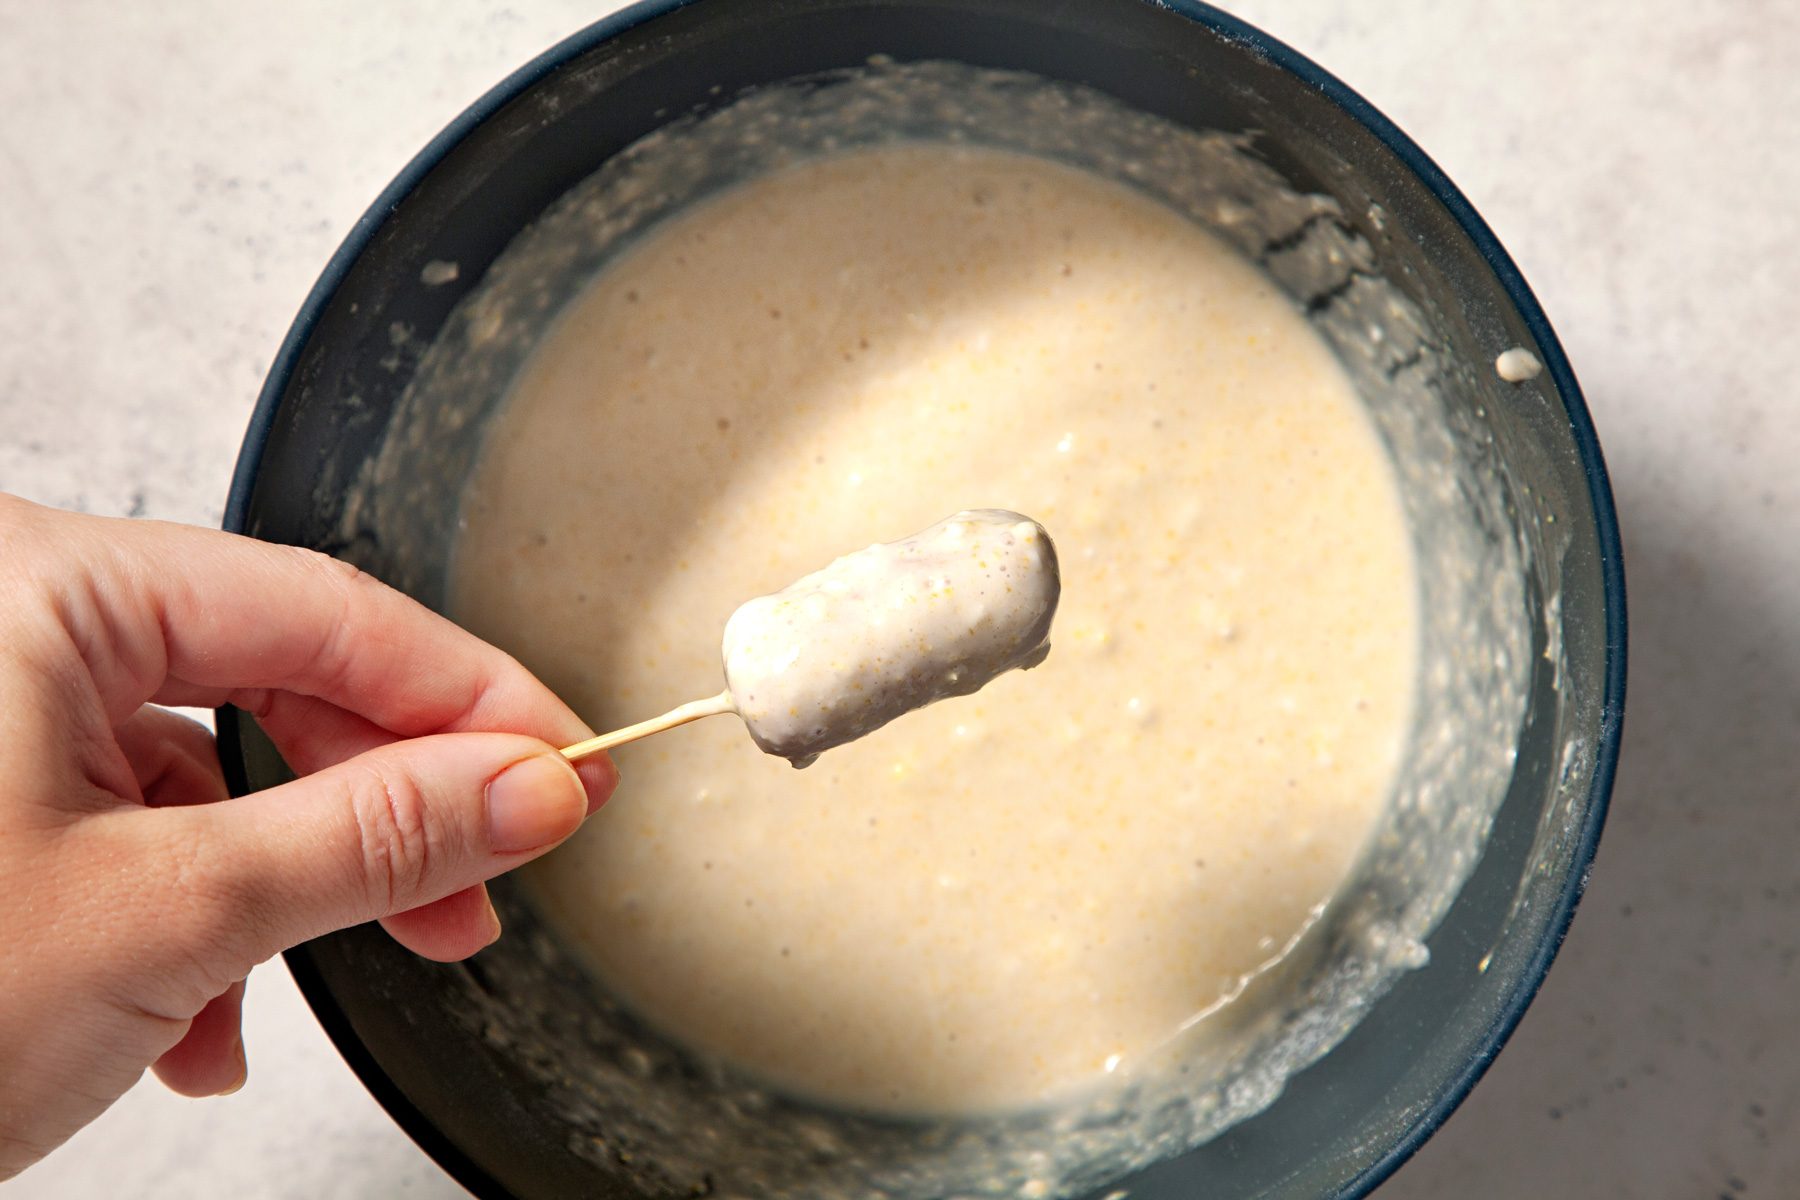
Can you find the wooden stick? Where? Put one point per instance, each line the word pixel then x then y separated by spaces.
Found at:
pixel 693 710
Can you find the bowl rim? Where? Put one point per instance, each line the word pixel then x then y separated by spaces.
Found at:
pixel 423 1131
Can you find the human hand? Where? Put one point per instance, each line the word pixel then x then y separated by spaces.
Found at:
pixel 137 895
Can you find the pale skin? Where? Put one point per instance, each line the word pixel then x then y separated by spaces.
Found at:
pixel 137 895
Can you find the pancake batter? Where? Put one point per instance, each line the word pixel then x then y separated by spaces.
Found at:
pixel 1002 898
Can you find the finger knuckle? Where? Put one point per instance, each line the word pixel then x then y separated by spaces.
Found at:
pixel 332 660
pixel 352 585
pixel 395 835
pixel 336 570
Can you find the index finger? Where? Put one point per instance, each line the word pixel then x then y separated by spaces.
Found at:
pixel 194 616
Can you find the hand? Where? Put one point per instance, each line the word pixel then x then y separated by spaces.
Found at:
pixel 137 895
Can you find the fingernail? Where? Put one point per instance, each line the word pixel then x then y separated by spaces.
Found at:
pixel 599 775
pixel 493 920
pixel 533 803
pixel 243 1074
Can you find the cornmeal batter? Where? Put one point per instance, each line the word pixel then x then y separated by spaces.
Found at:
pixel 838 654
pixel 1004 897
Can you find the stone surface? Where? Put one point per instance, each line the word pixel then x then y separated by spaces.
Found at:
pixel 173 177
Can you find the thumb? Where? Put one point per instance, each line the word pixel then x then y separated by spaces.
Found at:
pixel 389 830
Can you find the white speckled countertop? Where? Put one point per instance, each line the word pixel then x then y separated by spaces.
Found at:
pixel 173 177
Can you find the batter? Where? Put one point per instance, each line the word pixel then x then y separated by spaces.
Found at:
pixel 1000 899
pixel 878 633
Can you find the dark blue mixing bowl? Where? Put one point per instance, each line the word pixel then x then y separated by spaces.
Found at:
pixel 1342 1125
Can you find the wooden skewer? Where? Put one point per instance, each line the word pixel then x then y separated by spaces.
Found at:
pixel 681 714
